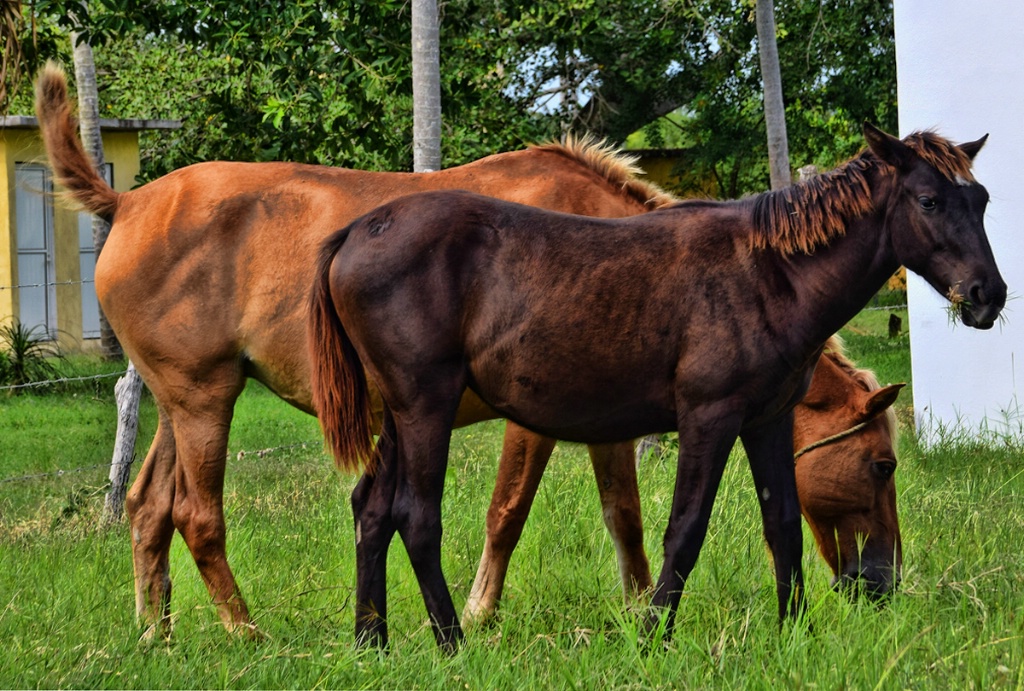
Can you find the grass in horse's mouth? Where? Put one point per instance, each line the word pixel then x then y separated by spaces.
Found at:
pixel 957 303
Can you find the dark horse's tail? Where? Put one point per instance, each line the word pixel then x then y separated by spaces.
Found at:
pixel 72 167
pixel 340 395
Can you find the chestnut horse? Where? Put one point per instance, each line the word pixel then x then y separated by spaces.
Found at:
pixel 204 278
pixel 845 433
pixel 722 308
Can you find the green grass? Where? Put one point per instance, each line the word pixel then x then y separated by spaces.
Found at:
pixel 67 603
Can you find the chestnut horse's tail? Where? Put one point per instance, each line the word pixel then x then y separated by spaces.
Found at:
pixel 340 395
pixel 72 166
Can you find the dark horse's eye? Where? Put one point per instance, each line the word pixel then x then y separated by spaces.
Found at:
pixel 883 469
pixel 927 203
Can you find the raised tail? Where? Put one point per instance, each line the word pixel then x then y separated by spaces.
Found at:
pixel 72 167
pixel 340 395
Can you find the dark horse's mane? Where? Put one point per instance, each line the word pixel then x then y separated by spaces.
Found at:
pixel 807 215
pixel 615 166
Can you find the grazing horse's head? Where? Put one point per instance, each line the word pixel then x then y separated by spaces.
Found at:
pixel 936 219
pixel 844 440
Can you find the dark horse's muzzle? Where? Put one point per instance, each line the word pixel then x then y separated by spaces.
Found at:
pixel 983 301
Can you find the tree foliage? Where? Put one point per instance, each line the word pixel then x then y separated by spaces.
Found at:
pixel 838 70
pixel 330 82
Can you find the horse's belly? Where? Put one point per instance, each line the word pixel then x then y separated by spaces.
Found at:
pixel 580 412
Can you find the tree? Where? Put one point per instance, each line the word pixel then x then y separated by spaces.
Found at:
pixel 774 110
pixel 331 82
pixel 89 124
pixel 840 67
pixel 426 87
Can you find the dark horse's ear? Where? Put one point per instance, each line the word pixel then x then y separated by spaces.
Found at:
pixel 972 148
pixel 888 148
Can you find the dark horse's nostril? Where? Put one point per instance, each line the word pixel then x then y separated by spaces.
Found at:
pixel 976 295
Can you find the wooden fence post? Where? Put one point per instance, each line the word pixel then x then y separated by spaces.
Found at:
pixel 127 393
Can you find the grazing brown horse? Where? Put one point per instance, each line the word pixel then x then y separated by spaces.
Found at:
pixel 723 310
pixel 845 433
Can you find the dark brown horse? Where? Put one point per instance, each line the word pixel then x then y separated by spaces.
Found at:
pixel 723 310
pixel 845 433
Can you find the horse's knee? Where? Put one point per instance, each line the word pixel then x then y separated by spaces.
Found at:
pixel 421 536
pixel 361 494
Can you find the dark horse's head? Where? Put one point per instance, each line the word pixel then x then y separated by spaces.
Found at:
pixel 936 219
pixel 844 432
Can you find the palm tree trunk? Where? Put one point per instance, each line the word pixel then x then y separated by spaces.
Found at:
pixel 774 108
pixel 426 87
pixel 89 123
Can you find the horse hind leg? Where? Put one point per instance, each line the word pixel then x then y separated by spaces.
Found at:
pixel 423 436
pixel 615 473
pixel 148 505
pixel 524 456
pixel 201 437
pixel 372 500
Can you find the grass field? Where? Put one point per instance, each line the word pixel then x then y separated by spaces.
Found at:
pixel 67 602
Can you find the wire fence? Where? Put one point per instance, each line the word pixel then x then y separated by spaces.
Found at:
pixel 47 285
pixel 239 455
pixel 64 380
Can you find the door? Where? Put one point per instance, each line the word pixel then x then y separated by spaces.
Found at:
pixel 37 294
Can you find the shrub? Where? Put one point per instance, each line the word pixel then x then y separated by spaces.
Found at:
pixel 26 355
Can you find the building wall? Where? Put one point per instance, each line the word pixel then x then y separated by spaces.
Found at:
pixel 667 168
pixel 960 70
pixel 18 145
pixel 7 238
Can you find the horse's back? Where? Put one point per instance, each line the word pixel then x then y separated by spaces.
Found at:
pixel 516 293
pixel 522 294
pixel 212 263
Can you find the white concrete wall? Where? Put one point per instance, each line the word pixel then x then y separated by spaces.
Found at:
pixel 960 68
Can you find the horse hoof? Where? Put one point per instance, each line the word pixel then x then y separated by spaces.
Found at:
pixel 251 632
pixel 479 619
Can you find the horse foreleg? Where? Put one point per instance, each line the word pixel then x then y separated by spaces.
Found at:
pixel 705 440
pixel 770 452
pixel 524 456
pixel 615 473
pixel 372 501
pixel 148 506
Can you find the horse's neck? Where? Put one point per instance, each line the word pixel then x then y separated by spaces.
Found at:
pixel 837 281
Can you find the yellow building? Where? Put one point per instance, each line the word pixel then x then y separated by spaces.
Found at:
pixel 46 249
pixel 669 169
